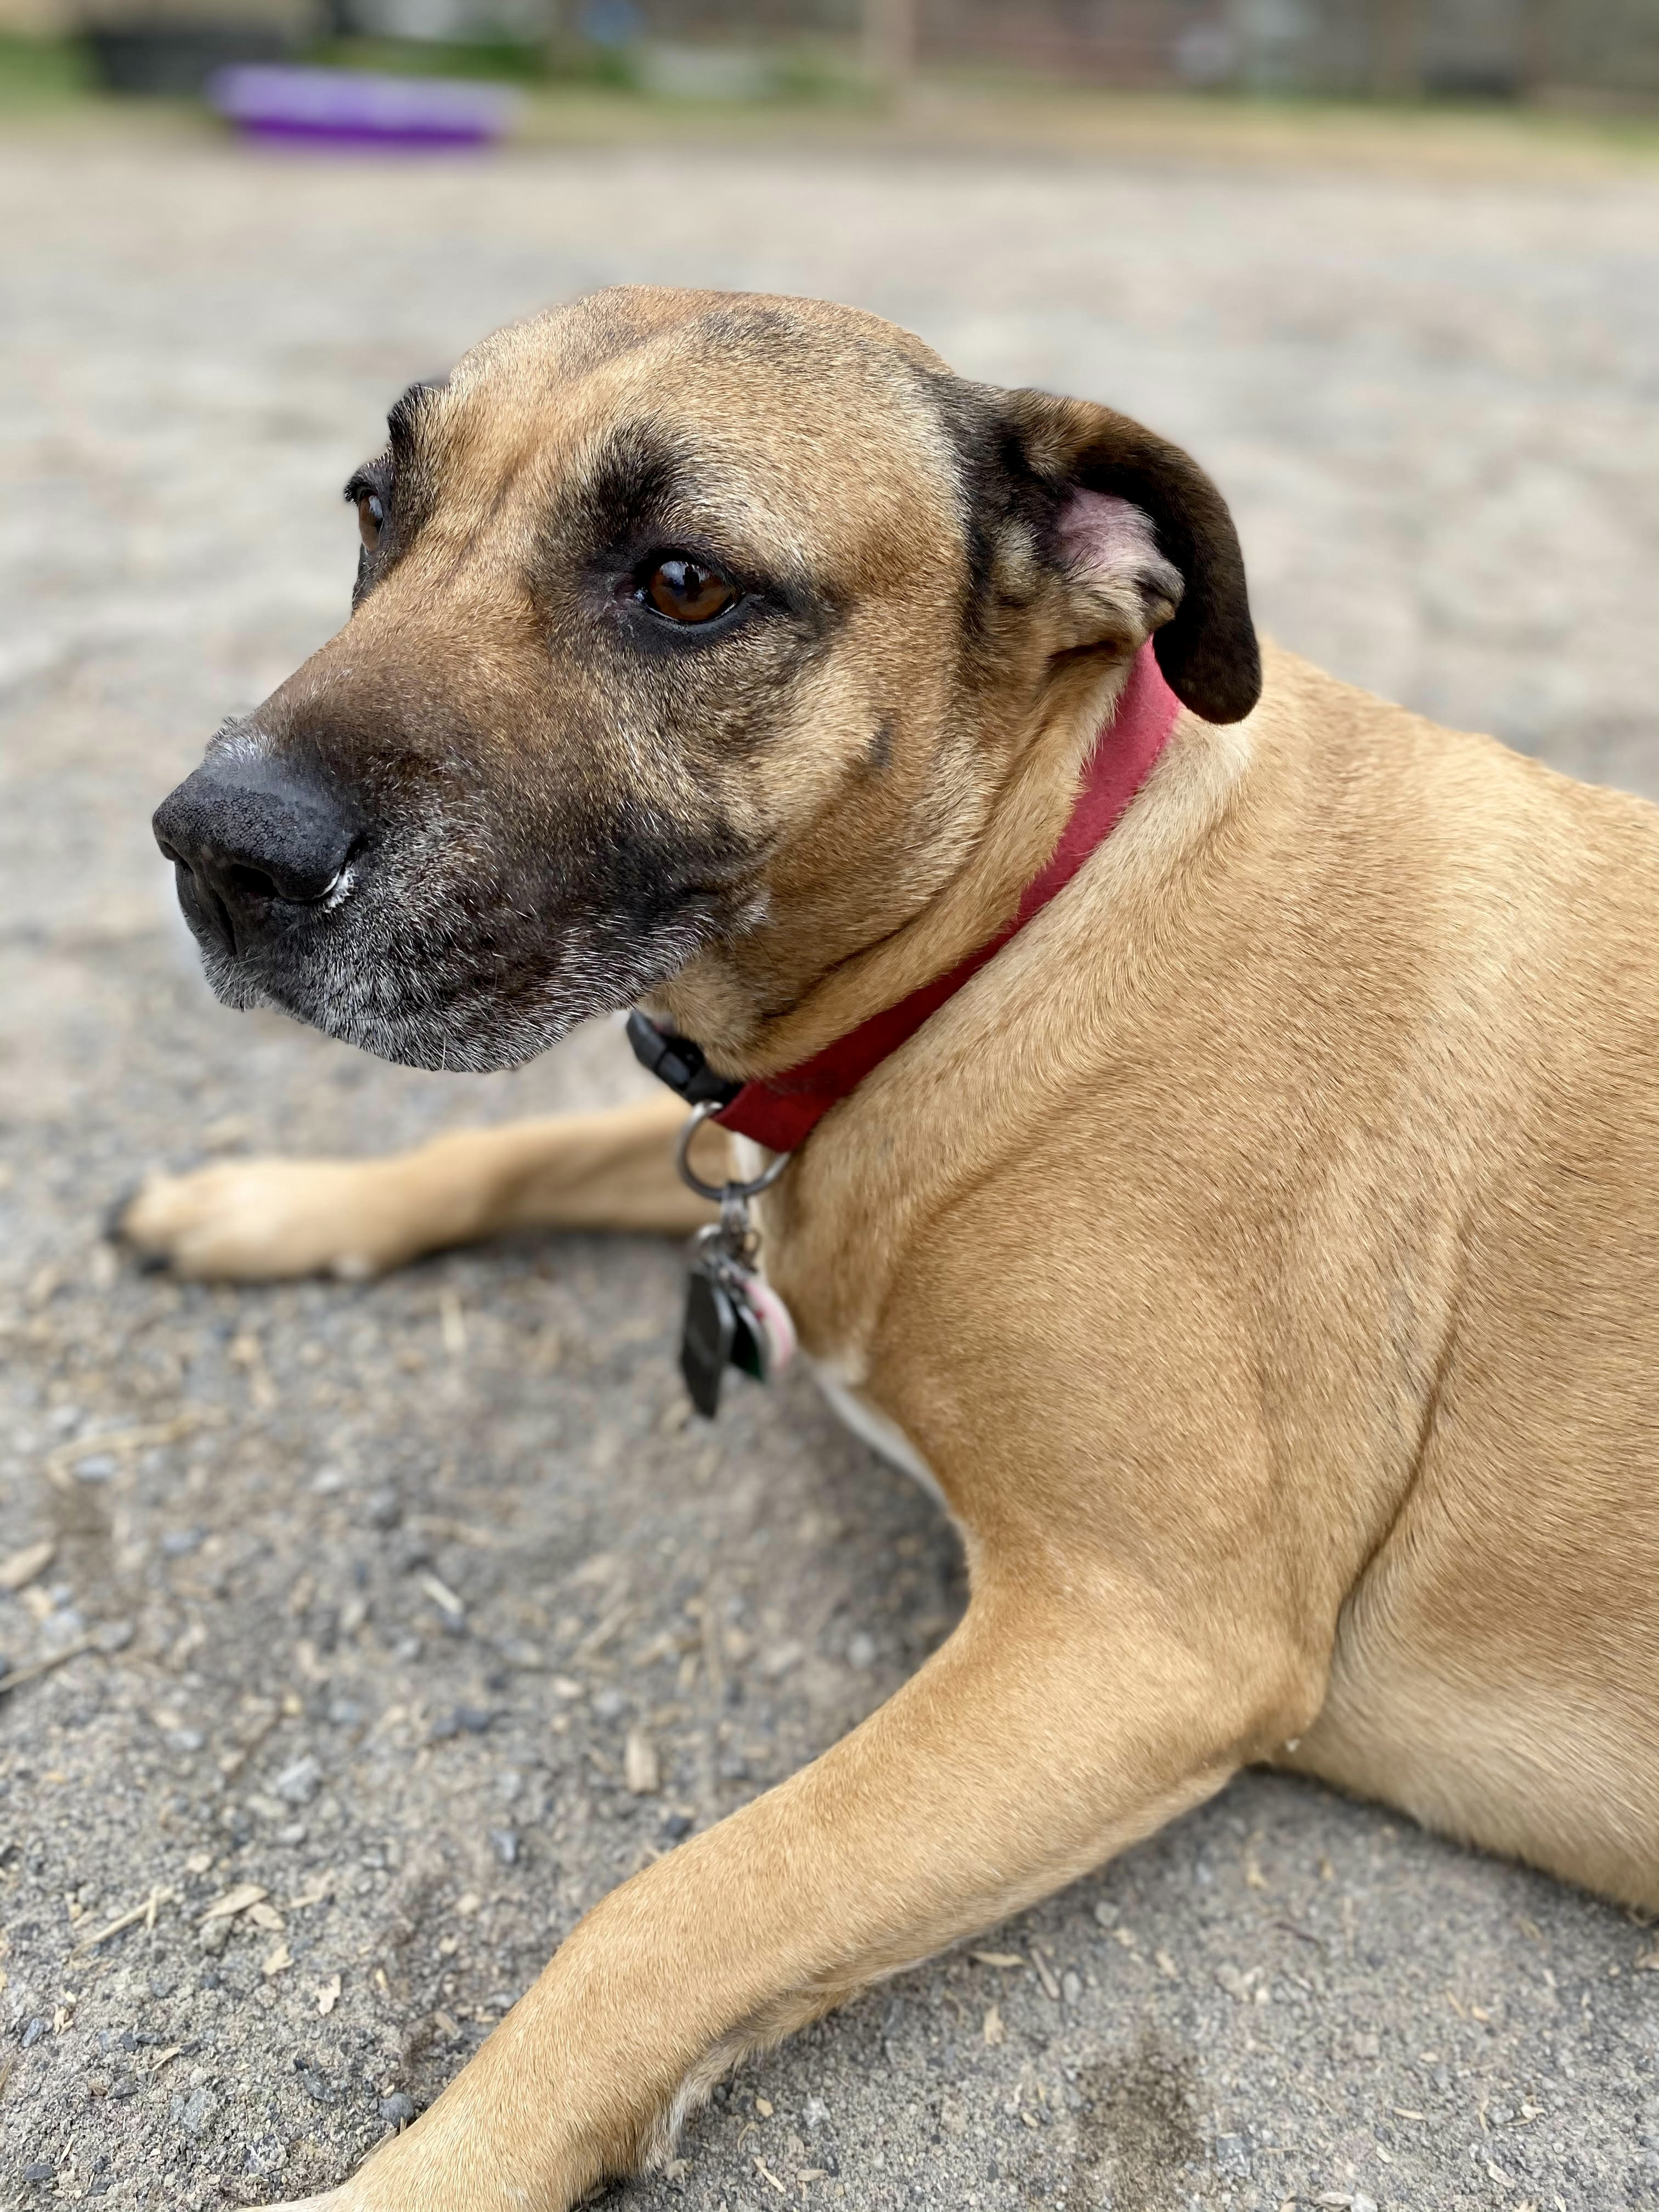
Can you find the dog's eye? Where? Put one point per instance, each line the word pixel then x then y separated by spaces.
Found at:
pixel 371 514
pixel 686 592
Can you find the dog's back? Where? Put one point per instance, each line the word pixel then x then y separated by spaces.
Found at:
pixel 1340 1127
pixel 1495 1670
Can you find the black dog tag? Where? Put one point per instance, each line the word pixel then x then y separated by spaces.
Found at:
pixel 709 1331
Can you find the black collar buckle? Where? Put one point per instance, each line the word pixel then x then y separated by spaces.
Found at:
pixel 677 1062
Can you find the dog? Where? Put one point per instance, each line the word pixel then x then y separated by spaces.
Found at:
pixel 1251 1232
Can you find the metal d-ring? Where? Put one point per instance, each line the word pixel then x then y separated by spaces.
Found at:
pixel 724 1195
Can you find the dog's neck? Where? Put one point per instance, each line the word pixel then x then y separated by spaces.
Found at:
pixel 721 998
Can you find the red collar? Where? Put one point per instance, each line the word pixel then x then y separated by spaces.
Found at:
pixel 781 1111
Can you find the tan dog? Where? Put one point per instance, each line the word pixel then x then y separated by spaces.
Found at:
pixel 1260 1252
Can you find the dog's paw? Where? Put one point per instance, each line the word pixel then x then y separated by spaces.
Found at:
pixel 260 1220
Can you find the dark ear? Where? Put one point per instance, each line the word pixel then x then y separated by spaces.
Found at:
pixel 1207 647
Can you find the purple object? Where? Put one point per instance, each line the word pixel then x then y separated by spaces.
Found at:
pixel 349 107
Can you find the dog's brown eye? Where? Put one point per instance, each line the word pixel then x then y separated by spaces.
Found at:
pixel 371 513
pixel 686 592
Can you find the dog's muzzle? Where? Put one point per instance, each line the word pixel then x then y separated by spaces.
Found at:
pixel 256 849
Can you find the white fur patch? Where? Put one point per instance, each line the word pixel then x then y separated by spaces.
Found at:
pixel 874 1427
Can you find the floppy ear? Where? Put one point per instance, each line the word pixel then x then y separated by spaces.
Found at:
pixel 1131 512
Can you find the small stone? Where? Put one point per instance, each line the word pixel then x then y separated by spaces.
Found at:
pixel 198 2110
pixel 112 1635
pixel 398 2109
pixel 678 1826
pixel 97 1467
pixel 382 1509
pixel 861 1651
pixel 39 2171
pixel 505 1843
pixel 180 1543
pixel 1360 2202
pixel 298 1784
pixel 214 1937
pixel 1232 2154
pixel 32 2033
pixel 1071 1988
pixel 610 1702
pixel 266 2153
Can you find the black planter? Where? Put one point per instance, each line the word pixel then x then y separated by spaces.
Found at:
pixel 176 60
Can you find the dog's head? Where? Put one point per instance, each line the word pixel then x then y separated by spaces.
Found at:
pixel 683 622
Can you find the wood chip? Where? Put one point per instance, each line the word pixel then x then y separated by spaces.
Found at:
pixel 1045 1975
pixel 641 1768
pixel 442 1597
pixel 63 1457
pixel 146 1913
pixel 268 1917
pixel 994 2032
pixel 997 1958
pixel 278 1961
pixel 235 1900
pixel 767 2174
pixel 612 1624
pixel 165 2057
pixel 21 1567
pixel 319 1892
pixel 328 1994
pixel 19 1675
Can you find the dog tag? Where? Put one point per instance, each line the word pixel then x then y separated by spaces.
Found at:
pixel 733 1317
pixel 765 1341
pixel 707 1335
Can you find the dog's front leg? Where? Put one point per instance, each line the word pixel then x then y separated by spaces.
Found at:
pixel 1054 1728
pixel 259 1220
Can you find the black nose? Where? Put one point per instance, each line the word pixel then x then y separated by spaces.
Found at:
pixel 252 841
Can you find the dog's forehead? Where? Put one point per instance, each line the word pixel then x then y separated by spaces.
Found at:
pixel 776 415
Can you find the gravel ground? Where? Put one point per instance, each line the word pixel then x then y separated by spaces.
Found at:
pixel 369 1585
